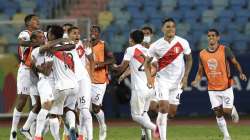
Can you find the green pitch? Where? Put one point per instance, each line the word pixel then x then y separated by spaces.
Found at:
pixel 176 132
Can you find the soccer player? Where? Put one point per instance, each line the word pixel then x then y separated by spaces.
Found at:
pixel 26 79
pixel 141 94
pixel 80 53
pixel 153 108
pixel 58 87
pixel 172 73
pixel 214 63
pixel 102 58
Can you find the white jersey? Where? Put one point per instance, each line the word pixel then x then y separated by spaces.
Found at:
pixel 22 50
pixel 170 57
pixel 64 70
pixel 82 52
pixel 135 55
pixel 41 59
pixel 80 69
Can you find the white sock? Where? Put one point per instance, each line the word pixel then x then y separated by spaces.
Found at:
pixel 86 123
pixel 144 121
pixel 31 118
pixel 54 128
pixel 33 128
pixel 71 119
pixel 222 125
pixel 40 122
pixel 148 134
pixel 162 124
pixel 143 131
pixel 100 117
pixel 15 119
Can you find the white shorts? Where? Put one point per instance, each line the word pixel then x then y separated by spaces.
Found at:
pixel 63 98
pixel 45 88
pixel 224 98
pixel 97 93
pixel 84 93
pixel 23 80
pixel 140 101
pixel 166 91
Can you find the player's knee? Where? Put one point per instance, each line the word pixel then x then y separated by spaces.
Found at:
pixel 47 105
pixel 218 111
pixel 37 107
pixel 96 109
pixel 21 102
pixel 227 110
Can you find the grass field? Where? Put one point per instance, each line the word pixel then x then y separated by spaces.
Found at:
pixel 175 132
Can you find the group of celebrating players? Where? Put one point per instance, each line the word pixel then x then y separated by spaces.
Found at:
pixel 66 78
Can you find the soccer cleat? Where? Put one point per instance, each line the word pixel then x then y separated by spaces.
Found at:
pixel 72 133
pixel 156 133
pixel 26 134
pixel 103 132
pixel 227 138
pixel 235 115
pixel 65 137
pixel 143 137
pixel 38 138
pixel 80 137
pixel 13 135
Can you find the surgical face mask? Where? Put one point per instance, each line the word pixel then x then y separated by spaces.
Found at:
pixel 147 39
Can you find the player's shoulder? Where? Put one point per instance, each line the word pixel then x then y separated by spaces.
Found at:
pixel 35 51
pixel 181 39
pixel 157 42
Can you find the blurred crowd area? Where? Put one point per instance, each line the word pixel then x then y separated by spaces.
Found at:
pixel 118 17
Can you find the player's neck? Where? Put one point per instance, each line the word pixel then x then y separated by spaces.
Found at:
pixel 213 47
pixel 169 38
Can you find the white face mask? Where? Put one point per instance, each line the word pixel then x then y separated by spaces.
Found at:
pixel 147 39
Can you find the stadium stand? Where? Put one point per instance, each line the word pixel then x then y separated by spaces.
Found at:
pixel 117 17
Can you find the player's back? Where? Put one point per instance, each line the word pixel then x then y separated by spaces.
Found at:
pixel 64 70
pixel 138 76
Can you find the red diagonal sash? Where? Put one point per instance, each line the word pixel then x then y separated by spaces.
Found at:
pixel 138 55
pixel 80 51
pixel 67 58
pixel 170 56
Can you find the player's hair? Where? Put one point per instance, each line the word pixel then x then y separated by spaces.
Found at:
pixel 147 28
pixel 57 31
pixel 34 34
pixel 96 27
pixel 28 18
pixel 67 24
pixel 168 19
pixel 72 28
pixel 214 30
pixel 137 36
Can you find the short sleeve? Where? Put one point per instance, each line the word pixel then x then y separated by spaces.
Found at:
pixel 24 35
pixel 88 50
pixel 186 48
pixel 128 54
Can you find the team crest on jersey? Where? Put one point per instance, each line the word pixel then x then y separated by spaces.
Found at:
pixel 212 64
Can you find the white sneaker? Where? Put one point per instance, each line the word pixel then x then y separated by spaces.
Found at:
pixel 26 133
pixel 235 115
pixel 227 138
pixel 13 135
pixel 103 132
